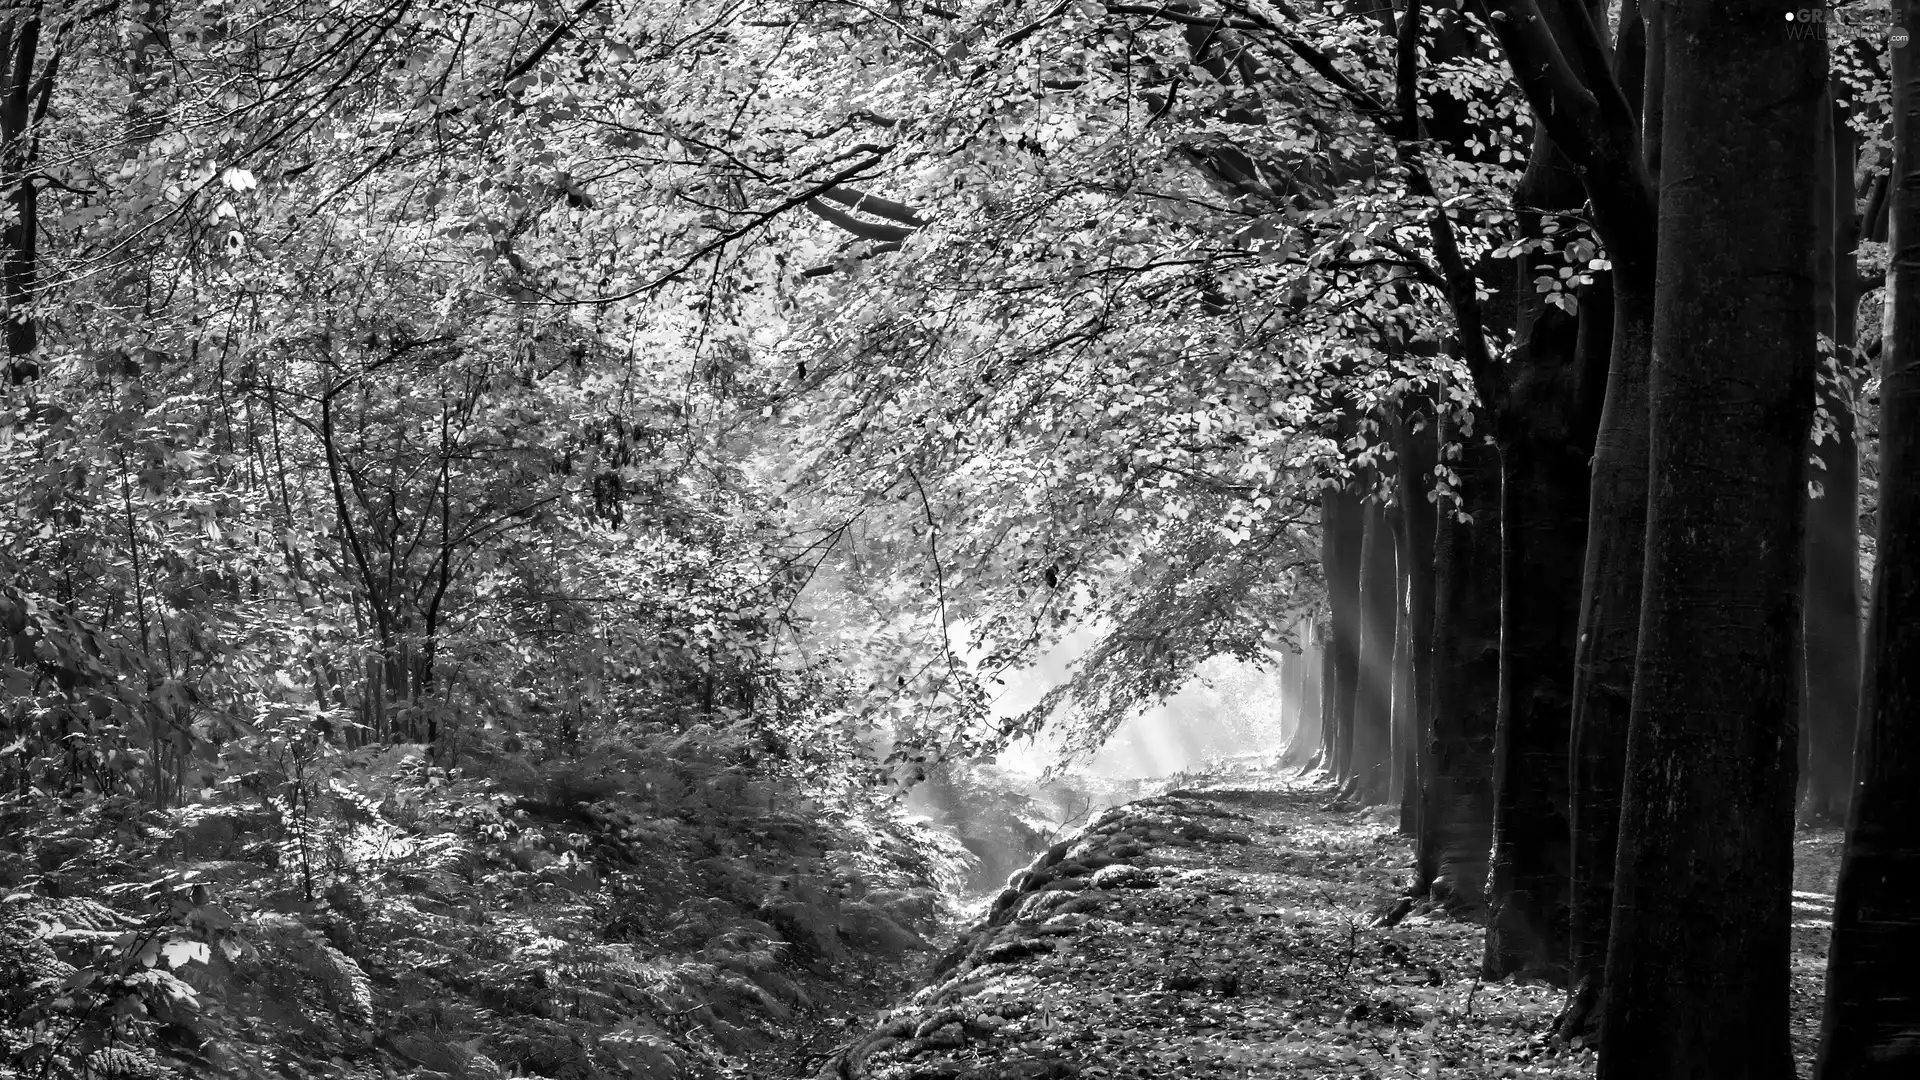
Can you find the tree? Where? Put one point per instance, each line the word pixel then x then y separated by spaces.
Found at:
pixel 1572 85
pixel 1373 697
pixel 1343 533
pixel 1416 451
pixel 1871 1024
pixel 1457 814
pixel 1832 687
pixel 1696 977
pixel 31 52
pixel 1611 579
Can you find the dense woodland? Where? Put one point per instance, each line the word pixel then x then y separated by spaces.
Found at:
pixel 503 500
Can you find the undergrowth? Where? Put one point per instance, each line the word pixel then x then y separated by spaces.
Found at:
pixel 661 905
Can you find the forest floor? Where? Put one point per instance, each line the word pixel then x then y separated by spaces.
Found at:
pixel 1237 934
pixel 623 920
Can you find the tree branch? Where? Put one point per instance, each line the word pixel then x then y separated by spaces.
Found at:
pixel 1596 129
pixel 874 204
pixel 865 230
pixel 541 50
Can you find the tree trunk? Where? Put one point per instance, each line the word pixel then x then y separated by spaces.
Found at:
pixel 20 112
pixel 1298 697
pixel 1457 822
pixel 1831 701
pixel 1609 632
pixel 1871 1030
pixel 1697 970
pixel 1415 450
pixel 1311 740
pixel 1544 449
pixel 1610 585
pixel 1343 527
pixel 1329 734
pixel 1404 792
pixel 1373 701
pixel 1543 515
pixel 1289 707
pixel 1398 777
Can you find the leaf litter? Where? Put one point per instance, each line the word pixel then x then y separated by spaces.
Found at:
pixel 1242 933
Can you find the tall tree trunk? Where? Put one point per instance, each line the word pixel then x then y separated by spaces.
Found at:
pixel 1543 516
pixel 24 94
pixel 1373 702
pixel 1416 453
pixel 1457 821
pixel 1343 526
pixel 1297 693
pixel 1604 654
pixel 1289 706
pixel 1311 740
pixel 1401 665
pixel 1404 792
pixel 1831 699
pixel 1697 971
pixel 1871 1030
pixel 1544 447
pixel 1610 585
pixel 1323 757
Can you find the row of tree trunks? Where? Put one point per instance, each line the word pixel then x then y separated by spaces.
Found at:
pixel 1300 697
pixel 1292 716
pixel 1648 700
pixel 1312 689
pixel 1393 593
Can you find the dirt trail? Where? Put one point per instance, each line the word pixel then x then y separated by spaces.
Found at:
pixel 1234 933
pixel 1218 933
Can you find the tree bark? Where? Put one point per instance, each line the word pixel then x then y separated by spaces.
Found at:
pixel 1398 775
pixel 1312 738
pixel 1290 718
pixel 1604 653
pixel 1457 820
pixel 1415 450
pixel 1323 755
pixel 1373 699
pixel 1544 446
pixel 1871 1028
pixel 1610 586
pixel 1301 692
pixel 1831 702
pixel 1403 793
pixel 27 92
pixel 1697 971
pixel 1343 527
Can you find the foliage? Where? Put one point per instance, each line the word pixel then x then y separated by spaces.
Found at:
pixel 662 903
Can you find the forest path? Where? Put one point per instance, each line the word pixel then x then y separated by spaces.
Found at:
pixel 1214 933
pixel 1234 933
